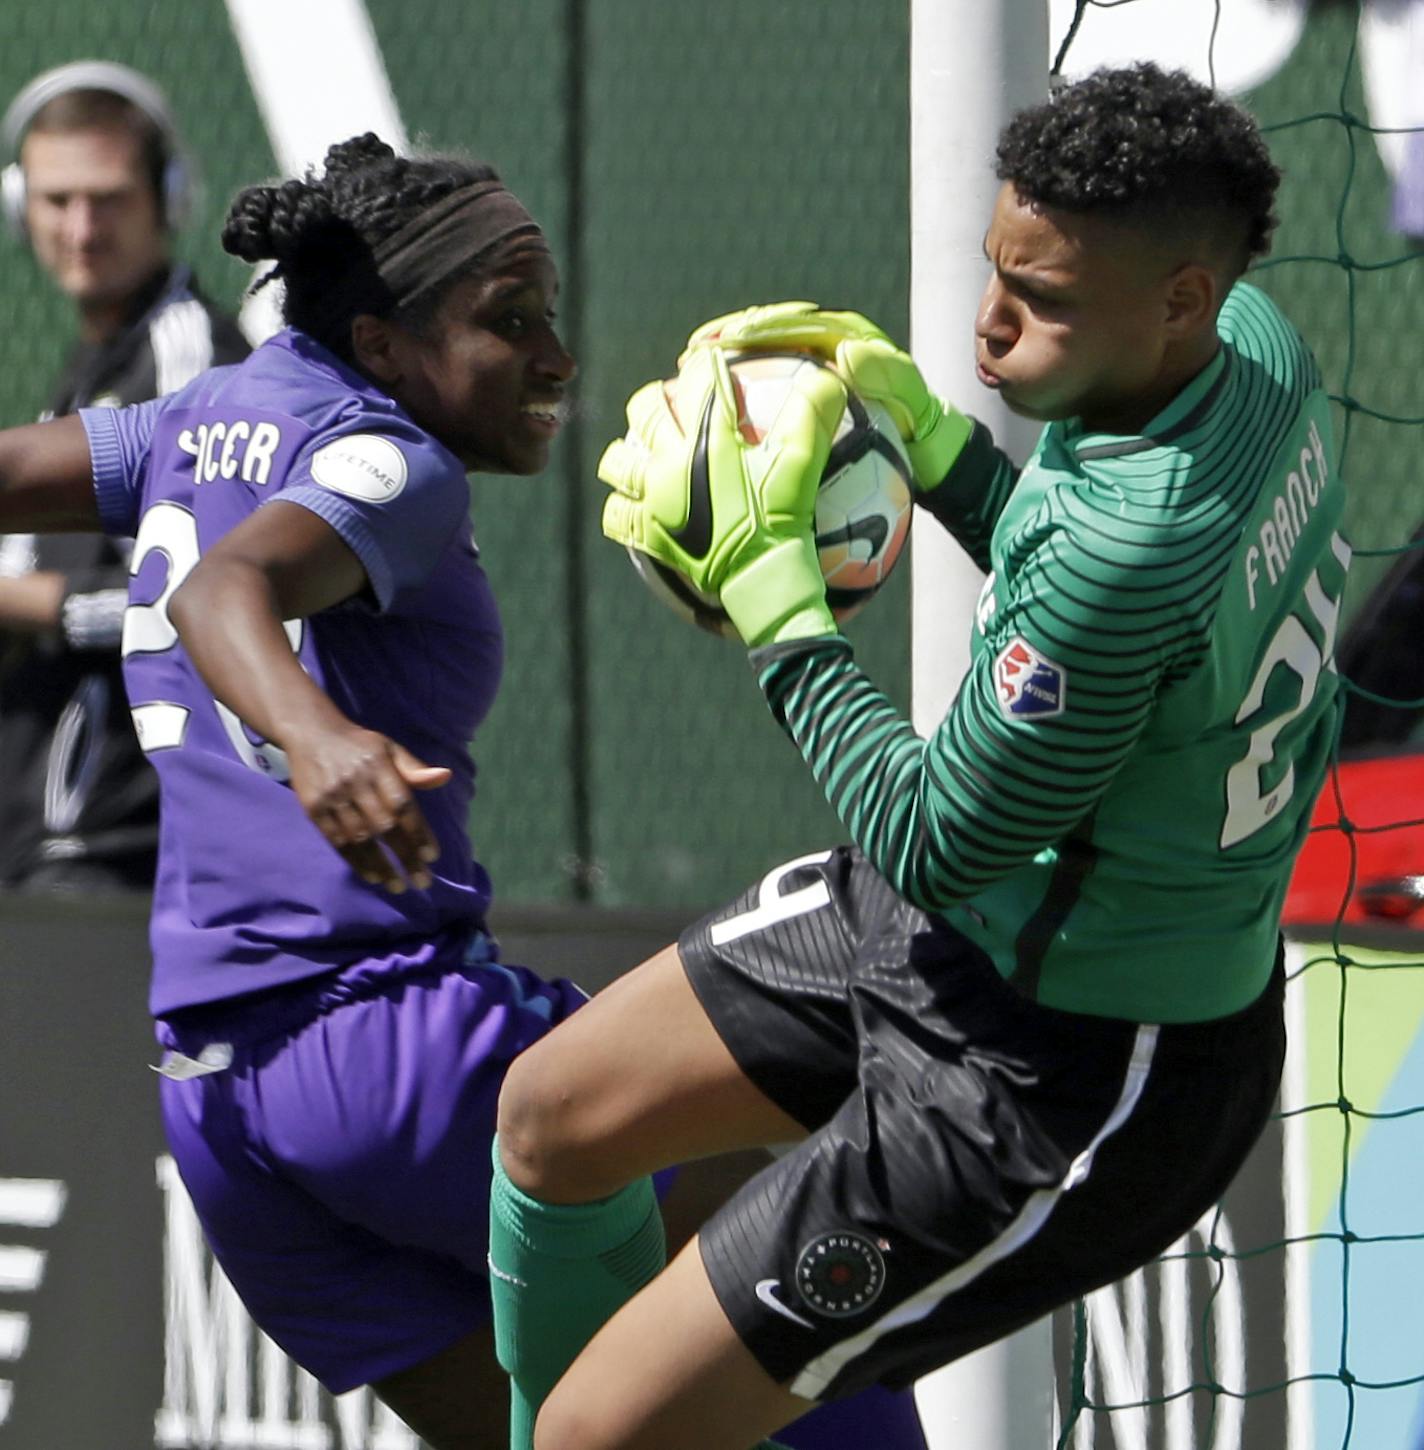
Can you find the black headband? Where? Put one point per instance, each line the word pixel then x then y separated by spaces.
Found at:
pixel 459 229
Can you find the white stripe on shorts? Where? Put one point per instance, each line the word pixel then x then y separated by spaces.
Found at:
pixel 812 1381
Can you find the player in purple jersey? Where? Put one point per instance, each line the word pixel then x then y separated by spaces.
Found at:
pixel 310 645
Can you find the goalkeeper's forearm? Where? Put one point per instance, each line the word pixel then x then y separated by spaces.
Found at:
pixel 972 495
pixel 866 757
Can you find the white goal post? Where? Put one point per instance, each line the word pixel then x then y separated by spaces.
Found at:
pixel 971 66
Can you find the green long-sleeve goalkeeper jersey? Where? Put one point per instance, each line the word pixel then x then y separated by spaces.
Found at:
pixel 1113 802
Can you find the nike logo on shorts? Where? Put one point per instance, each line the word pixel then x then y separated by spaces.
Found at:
pixel 766 1292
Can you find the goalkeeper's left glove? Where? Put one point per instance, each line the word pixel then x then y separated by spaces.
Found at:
pixel 734 518
pixel 934 432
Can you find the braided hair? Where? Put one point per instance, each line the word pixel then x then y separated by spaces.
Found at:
pixel 1150 147
pixel 321 232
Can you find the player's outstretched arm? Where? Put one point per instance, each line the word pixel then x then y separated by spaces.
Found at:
pixel 46 479
pixel 284 562
pixel 734 518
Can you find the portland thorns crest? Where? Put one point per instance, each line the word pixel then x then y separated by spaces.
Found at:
pixel 840 1274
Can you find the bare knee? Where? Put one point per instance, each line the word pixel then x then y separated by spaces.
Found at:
pixel 561 1425
pixel 533 1121
pixel 545 1144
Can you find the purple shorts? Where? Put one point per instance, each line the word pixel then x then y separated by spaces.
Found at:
pixel 335 1139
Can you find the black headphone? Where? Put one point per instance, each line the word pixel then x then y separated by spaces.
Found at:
pixel 177 183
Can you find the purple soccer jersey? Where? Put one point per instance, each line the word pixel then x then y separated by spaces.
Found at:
pixel 249 894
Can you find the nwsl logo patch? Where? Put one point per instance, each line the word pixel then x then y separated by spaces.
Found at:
pixel 1029 685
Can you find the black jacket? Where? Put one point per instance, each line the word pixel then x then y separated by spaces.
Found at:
pixel 77 796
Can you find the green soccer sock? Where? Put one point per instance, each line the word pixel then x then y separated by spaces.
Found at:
pixel 558 1272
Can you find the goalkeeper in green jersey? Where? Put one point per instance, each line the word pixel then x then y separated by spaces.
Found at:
pixel 1022 1033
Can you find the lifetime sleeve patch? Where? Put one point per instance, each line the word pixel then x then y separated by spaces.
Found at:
pixel 362 466
pixel 1029 684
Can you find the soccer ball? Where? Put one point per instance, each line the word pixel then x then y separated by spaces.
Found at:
pixel 863 507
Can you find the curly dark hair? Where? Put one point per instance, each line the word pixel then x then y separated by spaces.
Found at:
pixel 1150 147
pixel 321 232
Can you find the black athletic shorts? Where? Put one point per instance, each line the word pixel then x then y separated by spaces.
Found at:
pixel 974 1159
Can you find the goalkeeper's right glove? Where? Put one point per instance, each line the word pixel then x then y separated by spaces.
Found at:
pixel 733 518
pixel 934 431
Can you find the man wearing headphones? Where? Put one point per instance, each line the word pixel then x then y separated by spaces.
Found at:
pixel 97 183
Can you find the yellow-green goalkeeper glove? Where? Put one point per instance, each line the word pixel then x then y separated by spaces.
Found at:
pixel 934 431
pixel 734 518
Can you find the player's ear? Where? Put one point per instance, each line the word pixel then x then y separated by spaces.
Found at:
pixel 373 347
pixel 1191 301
